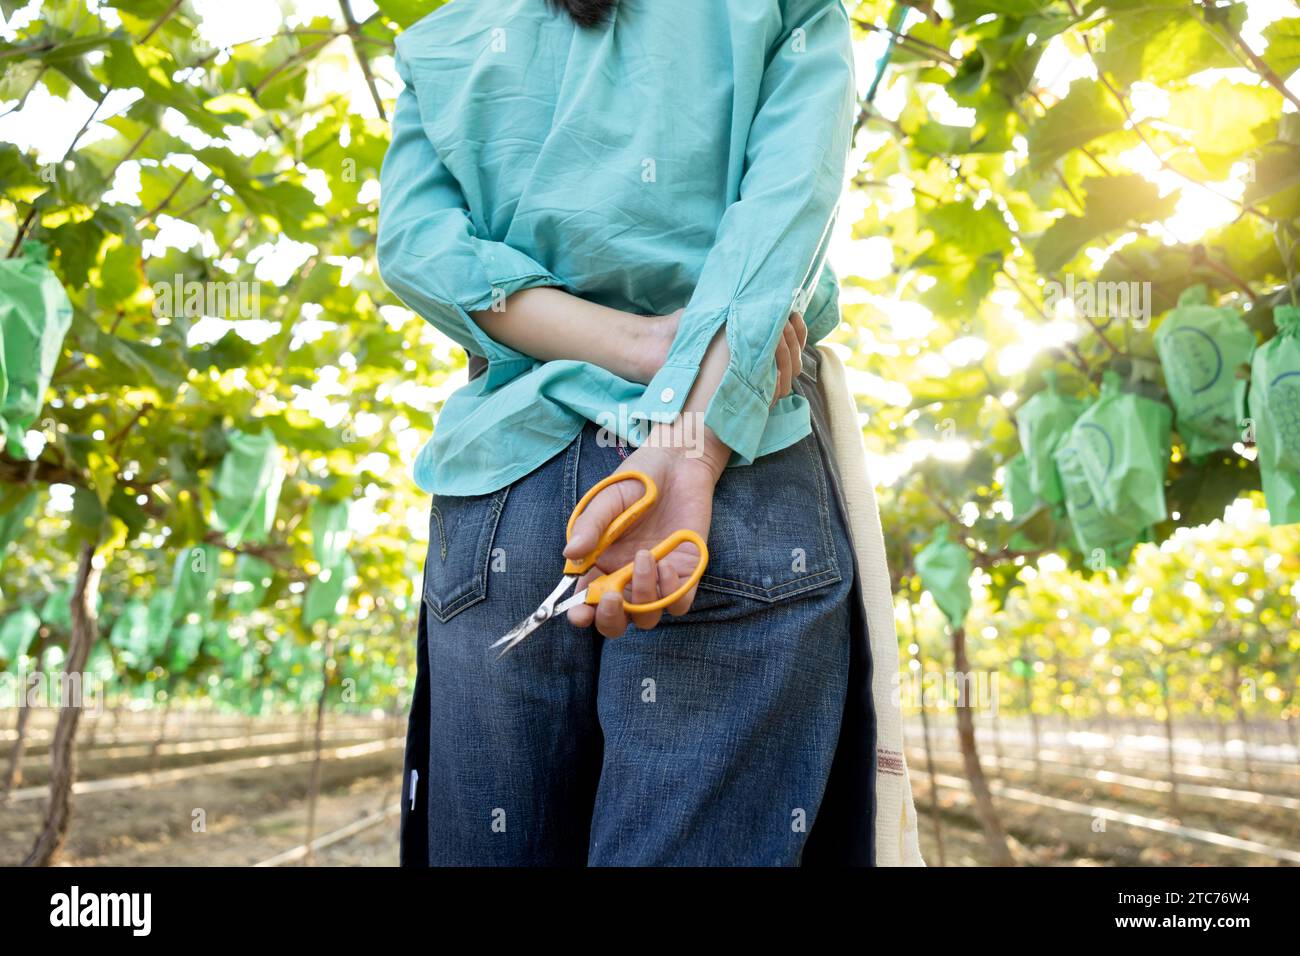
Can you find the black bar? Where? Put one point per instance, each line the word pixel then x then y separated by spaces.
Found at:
pixel 429 910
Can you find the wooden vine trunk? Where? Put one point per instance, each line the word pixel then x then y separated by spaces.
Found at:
pixel 994 833
pixel 63 752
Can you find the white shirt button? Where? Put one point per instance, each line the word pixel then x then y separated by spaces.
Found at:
pixel 666 395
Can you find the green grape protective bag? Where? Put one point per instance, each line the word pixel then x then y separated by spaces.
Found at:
pixel 326 594
pixel 194 582
pixel 130 633
pixel 1116 455
pixel 945 567
pixel 247 486
pixel 1096 535
pixel 1275 416
pixel 1044 420
pixel 1020 495
pixel 57 610
pixel 185 643
pixel 4 383
pixel 253 578
pixel 100 665
pixel 35 315
pixel 160 621
pixel 1203 350
pixel 13 521
pixel 329 532
pixel 240 666
pixel 1124 440
pixel 17 632
pixel 216 639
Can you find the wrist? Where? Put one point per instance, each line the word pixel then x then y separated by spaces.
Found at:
pixel 649 339
pixel 690 442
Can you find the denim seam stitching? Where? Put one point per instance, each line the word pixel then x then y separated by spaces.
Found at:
pixel 442 533
pixel 789 589
pixel 478 590
pixel 819 476
pixel 488 535
pixel 571 462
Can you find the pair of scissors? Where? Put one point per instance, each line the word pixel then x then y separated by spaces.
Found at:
pixel 614 581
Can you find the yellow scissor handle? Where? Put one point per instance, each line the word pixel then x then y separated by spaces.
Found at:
pixel 630 516
pixel 616 581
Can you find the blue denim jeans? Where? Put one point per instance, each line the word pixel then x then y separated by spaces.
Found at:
pixel 708 740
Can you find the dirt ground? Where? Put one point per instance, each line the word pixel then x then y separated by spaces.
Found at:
pixel 224 793
pixel 214 815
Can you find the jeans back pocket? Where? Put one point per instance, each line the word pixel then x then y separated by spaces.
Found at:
pixel 461 531
pixel 771 537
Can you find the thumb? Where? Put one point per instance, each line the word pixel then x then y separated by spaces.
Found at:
pixel 591 524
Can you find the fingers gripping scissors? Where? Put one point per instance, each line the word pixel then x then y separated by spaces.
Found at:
pixel 614 581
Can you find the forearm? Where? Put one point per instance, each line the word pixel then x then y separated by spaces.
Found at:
pixel 550 325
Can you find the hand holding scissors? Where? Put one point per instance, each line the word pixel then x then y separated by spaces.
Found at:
pixel 614 581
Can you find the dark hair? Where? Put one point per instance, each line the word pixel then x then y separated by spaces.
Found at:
pixel 585 13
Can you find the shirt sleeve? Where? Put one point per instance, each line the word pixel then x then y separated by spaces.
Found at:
pixel 430 254
pixel 823 312
pixel 767 257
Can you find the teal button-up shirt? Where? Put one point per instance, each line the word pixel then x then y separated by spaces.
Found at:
pixel 686 153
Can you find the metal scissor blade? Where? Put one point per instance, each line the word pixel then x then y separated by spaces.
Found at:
pixel 545 611
pixel 515 634
pixel 513 639
pixel 574 601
